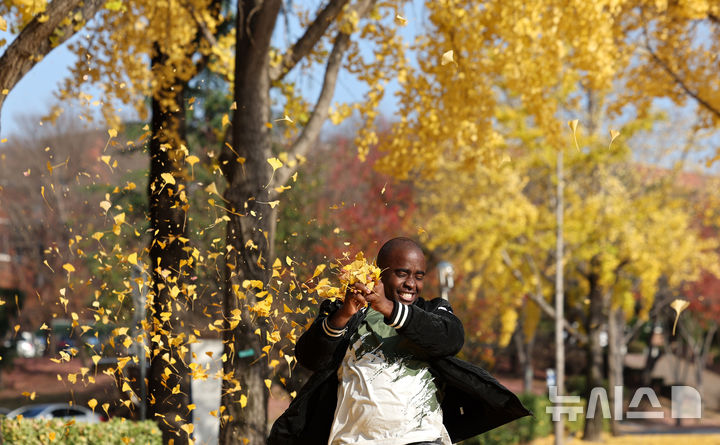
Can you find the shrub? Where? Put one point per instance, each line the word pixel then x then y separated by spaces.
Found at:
pixel 57 431
pixel 526 429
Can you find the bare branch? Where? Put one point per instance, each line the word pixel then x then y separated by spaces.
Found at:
pixel 207 34
pixel 540 301
pixel 678 80
pixel 305 44
pixel 33 43
pixel 311 131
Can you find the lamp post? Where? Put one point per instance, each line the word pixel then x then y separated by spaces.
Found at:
pixel 445 275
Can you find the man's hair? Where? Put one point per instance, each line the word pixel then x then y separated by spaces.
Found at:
pixel 391 245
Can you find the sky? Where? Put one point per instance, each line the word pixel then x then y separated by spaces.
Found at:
pixel 33 96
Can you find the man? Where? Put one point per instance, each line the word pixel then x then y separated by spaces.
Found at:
pixel 385 371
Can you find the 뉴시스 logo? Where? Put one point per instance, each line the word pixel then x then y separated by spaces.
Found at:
pixel 685 404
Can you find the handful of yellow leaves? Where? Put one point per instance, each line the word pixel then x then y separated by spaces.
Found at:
pixel 357 271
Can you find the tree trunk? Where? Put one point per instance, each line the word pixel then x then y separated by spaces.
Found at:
pixel 251 229
pixel 615 359
pixel 524 349
pixel 168 392
pixel 594 370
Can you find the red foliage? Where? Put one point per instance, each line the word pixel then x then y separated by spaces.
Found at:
pixel 357 204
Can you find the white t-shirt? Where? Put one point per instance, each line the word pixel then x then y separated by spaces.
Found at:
pixel 385 396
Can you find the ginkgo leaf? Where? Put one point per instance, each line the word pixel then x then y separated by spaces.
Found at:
pixel 573 126
pixel 285 118
pixel 212 188
pixel 69 267
pixel 678 305
pixel 168 178
pixel 132 258
pixel 225 120
pixel 3 24
pixel 275 163
pixel 92 403
pixel 400 20
pixel 447 57
pixel 318 270
pixel 613 135
pixel 112 132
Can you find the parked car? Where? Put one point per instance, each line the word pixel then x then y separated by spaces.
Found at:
pixel 57 411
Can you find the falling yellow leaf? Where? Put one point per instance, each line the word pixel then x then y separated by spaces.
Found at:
pixel 168 178
pixel 212 188
pixel 285 118
pixel 105 205
pixel 112 132
pixel 132 259
pixel 275 163
pixel 613 135
pixel 447 57
pixel 573 126
pixel 679 306
pixel 69 267
pixel 400 20
pixel 188 428
pixel 92 403
pixel 225 120
pixel 3 27
pixel 273 203
pixel 243 401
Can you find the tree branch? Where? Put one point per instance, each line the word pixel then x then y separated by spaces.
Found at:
pixel 540 301
pixel 679 81
pixel 34 41
pixel 307 42
pixel 311 131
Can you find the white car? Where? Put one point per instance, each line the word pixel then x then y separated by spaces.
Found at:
pixel 57 411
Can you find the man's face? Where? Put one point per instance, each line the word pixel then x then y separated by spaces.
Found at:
pixel 403 274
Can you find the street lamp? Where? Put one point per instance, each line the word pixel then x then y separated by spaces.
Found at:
pixel 445 275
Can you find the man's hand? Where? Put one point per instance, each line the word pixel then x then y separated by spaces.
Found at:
pixel 376 298
pixel 353 302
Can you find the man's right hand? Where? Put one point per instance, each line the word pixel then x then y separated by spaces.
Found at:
pixel 354 301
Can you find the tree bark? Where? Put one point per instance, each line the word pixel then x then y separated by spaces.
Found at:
pixel 615 358
pixel 251 229
pixel 594 370
pixel 168 392
pixel 34 41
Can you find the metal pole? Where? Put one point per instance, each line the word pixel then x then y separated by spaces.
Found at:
pixel 559 293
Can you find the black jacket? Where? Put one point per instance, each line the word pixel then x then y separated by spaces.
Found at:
pixel 473 401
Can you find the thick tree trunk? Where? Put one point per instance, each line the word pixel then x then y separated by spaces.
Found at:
pixel 251 230
pixel 168 392
pixel 34 41
pixel 594 371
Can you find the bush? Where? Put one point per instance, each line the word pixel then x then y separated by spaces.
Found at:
pixel 57 431
pixel 526 429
